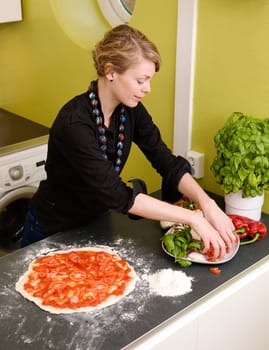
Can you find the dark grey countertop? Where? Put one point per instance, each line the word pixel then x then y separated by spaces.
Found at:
pixel 25 326
pixel 18 132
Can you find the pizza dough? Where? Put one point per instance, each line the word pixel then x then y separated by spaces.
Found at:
pixel 77 280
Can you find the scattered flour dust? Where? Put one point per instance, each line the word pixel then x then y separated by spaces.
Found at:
pixel 89 330
pixel 169 283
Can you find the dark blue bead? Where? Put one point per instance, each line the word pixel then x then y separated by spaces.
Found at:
pixel 101 131
pixel 102 139
pixel 119 152
pixel 122 118
pixel 99 120
pixel 95 111
pixel 120 145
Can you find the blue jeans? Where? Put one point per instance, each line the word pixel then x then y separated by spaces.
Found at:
pixel 32 232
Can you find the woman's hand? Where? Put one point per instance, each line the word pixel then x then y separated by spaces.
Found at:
pixel 216 230
pixel 210 236
pixel 221 222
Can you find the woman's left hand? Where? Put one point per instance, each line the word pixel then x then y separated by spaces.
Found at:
pixel 221 222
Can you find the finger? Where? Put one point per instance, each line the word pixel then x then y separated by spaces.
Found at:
pixel 230 240
pixel 217 252
pixel 223 250
pixel 219 249
pixel 206 246
pixel 228 243
pixel 213 250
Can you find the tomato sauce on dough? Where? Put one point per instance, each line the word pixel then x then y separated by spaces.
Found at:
pixel 77 279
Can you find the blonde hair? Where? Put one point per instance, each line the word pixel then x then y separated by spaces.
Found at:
pixel 122 47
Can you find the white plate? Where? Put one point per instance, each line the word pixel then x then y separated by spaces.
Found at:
pixel 196 257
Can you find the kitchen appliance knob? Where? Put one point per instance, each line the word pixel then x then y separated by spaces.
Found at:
pixel 16 172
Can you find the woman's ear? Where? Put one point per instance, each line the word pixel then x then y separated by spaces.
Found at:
pixel 109 72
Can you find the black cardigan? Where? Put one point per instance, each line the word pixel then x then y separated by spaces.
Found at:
pixel 80 183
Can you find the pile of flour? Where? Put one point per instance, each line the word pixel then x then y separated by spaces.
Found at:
pixel 169 283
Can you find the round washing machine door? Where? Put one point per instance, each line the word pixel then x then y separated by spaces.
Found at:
pixel 13 208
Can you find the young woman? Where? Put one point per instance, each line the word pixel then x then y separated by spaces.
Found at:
pixel 90 141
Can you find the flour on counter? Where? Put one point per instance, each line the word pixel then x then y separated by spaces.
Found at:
pixel 169 283
pixel 88 330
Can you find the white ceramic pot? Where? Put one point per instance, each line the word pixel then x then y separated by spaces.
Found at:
pixel 249 206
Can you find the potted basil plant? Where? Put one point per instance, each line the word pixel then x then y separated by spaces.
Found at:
pixel 241 165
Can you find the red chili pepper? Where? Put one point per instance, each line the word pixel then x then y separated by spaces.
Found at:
pixel 242 232
pixel 241 225
pixel 257 227
pixel 257 231
pixel 256 237
pixel 239 220
pixel 245 227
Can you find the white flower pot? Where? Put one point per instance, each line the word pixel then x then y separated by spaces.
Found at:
pixel 249 206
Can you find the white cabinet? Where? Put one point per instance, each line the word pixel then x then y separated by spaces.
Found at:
pixel 184 339
pixel 10 11
pixel 239 322
pixel 175 334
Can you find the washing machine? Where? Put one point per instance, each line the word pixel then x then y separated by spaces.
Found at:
pixel 23 152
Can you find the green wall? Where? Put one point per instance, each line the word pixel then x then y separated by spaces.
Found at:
pixel 46 59
pixel 232 70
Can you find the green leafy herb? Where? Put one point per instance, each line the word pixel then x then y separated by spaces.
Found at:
pixel 180 243
pixel 242 160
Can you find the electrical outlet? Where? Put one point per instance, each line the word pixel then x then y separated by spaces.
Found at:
pixel 196 160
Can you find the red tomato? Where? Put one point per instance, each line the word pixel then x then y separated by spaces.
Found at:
pixel 77 275
pixel 110 280
pixel 77 279
pixel 74 257
pixel 57 285
pixel 40 268
pixel 215 270
pixel 51 261
pixel 103 258
pixel 102 287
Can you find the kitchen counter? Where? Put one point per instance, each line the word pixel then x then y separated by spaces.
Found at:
pixel 138 315
pixel 17 132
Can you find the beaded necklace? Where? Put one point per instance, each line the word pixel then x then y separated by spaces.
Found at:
pixel 101 130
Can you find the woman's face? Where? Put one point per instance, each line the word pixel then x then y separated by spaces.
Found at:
pixel 131 86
